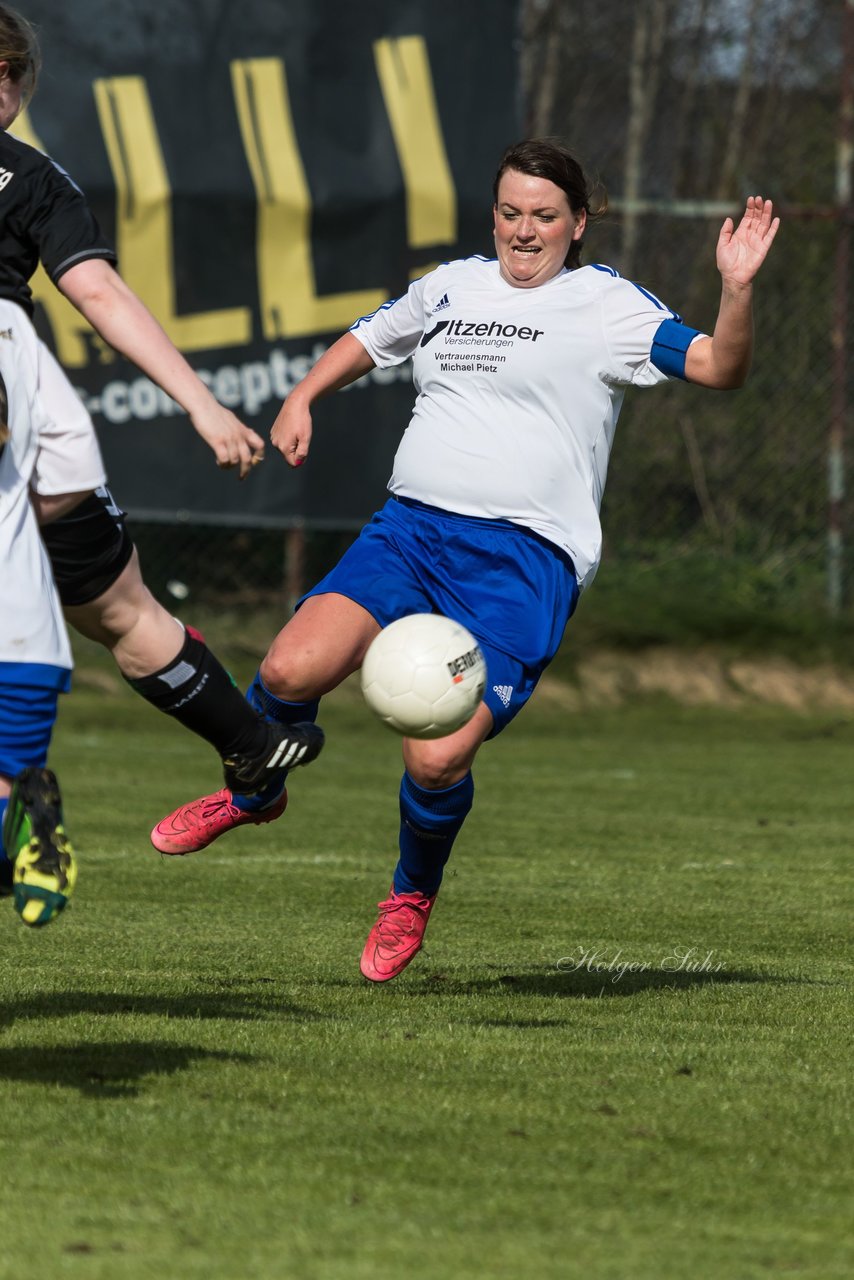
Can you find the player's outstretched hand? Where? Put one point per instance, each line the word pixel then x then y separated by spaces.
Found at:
pixel 234 444
pixel 742 249
pixel 291 432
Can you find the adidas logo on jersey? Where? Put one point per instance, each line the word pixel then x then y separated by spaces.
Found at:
pixel 504 691
pixel 443 302
pixel 6 176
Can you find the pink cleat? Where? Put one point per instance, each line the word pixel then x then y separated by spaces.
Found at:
pixel 197 824
pixel 397 935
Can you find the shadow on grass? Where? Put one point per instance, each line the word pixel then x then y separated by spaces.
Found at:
pixel 105 1070
pixel 582 984
pixel 228 1005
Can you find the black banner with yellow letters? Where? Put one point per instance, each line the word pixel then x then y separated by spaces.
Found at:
pixel 268 171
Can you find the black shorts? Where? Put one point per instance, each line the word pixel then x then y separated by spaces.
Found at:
pixel 88 548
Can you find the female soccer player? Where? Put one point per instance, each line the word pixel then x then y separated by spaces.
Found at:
pixel 44 217
pixel 520 363
pixel 36 859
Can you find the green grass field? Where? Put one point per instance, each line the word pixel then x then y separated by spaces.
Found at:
pixel 624 1054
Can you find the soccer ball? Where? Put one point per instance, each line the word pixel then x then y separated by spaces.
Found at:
pixel 424 675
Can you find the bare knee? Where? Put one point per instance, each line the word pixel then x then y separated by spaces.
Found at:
pixel 321 645
pixel 438 763
pixel 288 674
pixel 434 765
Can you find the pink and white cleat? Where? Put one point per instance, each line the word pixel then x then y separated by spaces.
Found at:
pixel 397 936
pixel 197 824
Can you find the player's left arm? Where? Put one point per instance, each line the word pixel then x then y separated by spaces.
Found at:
pixel 723 360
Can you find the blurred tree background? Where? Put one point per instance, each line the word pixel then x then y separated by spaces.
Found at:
pixel 731 504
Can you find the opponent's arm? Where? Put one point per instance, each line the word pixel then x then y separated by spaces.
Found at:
pixel 344 362
pixel 98 292
pixel 723 360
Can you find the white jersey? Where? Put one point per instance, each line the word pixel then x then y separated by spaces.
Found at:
pixel 32 629
pixel 69 457
pixel 519 391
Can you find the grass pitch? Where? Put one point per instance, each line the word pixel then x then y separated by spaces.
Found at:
pixel 623 1054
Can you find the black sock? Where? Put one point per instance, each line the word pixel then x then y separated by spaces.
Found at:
pixel 197 690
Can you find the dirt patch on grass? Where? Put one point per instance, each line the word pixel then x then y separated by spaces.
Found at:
pixel 611 677
pixel 701 678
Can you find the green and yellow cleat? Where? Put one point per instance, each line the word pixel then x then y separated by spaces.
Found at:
pixel 44 870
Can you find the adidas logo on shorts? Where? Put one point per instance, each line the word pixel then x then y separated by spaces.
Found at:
pixel 504 691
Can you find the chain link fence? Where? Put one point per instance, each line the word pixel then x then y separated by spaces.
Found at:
pixel 722 501
pixel 695 107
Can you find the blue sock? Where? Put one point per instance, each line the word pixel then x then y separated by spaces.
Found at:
pixel 429 824
pixel 5 864
pixel 276 711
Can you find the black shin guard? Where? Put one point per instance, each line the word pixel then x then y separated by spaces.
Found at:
pixel 197 690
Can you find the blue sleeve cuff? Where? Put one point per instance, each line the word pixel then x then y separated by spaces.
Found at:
pixel 672 340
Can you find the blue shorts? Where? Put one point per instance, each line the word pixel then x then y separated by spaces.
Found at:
pixel 513 590
pixel 28 698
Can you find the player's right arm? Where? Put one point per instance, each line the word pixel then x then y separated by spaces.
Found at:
pixel 344 362
pixel 385 337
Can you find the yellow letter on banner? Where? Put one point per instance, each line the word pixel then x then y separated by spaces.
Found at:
pixel 290 306
pixel 67 324
pixel 144 219
pixel 403 67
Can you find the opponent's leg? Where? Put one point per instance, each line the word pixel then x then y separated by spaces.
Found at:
pixel 36 843
pixel 195 825
pixel 436 795
pixel 323 643
pixel 97 572
pixel 36 859
pixel 276 711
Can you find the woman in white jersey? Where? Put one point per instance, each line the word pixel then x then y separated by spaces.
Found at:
pixel 36 859
pixel 520 365
pixel 44 217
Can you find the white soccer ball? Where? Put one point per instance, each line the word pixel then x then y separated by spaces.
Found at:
pixel 424 675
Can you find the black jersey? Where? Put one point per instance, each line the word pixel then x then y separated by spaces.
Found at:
pixel 44 218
